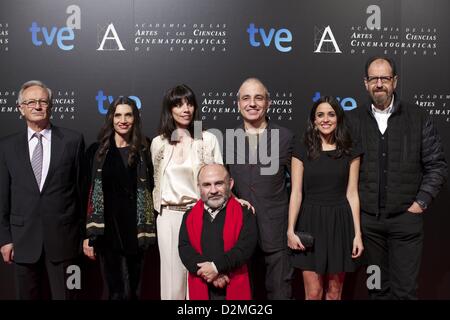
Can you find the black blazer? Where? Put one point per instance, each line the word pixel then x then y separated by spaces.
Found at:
pixel 50 219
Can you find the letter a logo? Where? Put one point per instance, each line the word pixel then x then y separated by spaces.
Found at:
pixel 374 21
pixel 374 280
pixel 114 43
pixel 331 45
pixel 74 280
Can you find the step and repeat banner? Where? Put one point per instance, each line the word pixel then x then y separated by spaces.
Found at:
pixel 89 52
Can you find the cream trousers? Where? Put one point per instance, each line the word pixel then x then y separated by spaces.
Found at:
pixel 173 273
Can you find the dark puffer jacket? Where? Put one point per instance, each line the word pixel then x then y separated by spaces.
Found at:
pixel 416 166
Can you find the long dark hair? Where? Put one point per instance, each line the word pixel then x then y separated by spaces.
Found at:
pixel 137 140
pixel 341 135
pixel 173 97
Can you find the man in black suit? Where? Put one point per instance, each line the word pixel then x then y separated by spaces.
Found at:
pixel 40 200
pixel 259 172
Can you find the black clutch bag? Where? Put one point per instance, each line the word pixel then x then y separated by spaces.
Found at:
pixel 306 238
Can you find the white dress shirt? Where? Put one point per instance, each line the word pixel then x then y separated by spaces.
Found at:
pixel 46 148
pixel 382 116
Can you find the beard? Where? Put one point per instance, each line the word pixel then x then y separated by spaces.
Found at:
pixel 216 201
pixel 381 98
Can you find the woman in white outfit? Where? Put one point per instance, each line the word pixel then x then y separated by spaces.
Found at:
pixel 177 156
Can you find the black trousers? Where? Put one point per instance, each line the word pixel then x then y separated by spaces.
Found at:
pixel 279 274
pixel 216 293
pixel 121 274
pixel 31 280
pixel 394 244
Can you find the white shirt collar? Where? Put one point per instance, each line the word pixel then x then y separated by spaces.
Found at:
pixel 46 133
pixel 213 212
pixel 387 110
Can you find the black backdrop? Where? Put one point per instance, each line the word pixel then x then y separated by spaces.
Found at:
pixel 87 51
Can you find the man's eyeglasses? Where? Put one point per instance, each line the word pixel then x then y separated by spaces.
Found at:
pixel 384 79
pixel 32 103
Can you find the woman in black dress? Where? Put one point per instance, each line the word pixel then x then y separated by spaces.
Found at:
pixel 120 220
pixel 325 192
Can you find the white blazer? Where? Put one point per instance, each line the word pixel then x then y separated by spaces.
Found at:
pixel 205 150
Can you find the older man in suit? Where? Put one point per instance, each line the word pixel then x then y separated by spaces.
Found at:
pixel 40 200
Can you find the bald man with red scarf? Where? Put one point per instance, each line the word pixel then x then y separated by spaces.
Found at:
pixel 217 238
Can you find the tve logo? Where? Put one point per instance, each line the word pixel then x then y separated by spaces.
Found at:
pixel 347 103
pixel 63 36
pixel 281 37
pixel 101 98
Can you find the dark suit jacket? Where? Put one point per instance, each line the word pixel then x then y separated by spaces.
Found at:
pixel 49 219
pixel 267 193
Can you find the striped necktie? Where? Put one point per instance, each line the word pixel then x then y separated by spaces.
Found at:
pixel 36 159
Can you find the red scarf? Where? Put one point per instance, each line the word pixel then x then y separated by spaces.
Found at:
pixel 239 286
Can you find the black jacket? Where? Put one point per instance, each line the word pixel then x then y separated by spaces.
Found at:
pixel 266 192
pixel 51 218
pixel 119 199
pixel 416 167
pixel 212 243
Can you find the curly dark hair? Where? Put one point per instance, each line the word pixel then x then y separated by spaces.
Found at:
pixel 341 135
pixel 137 140
pixel 173 97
